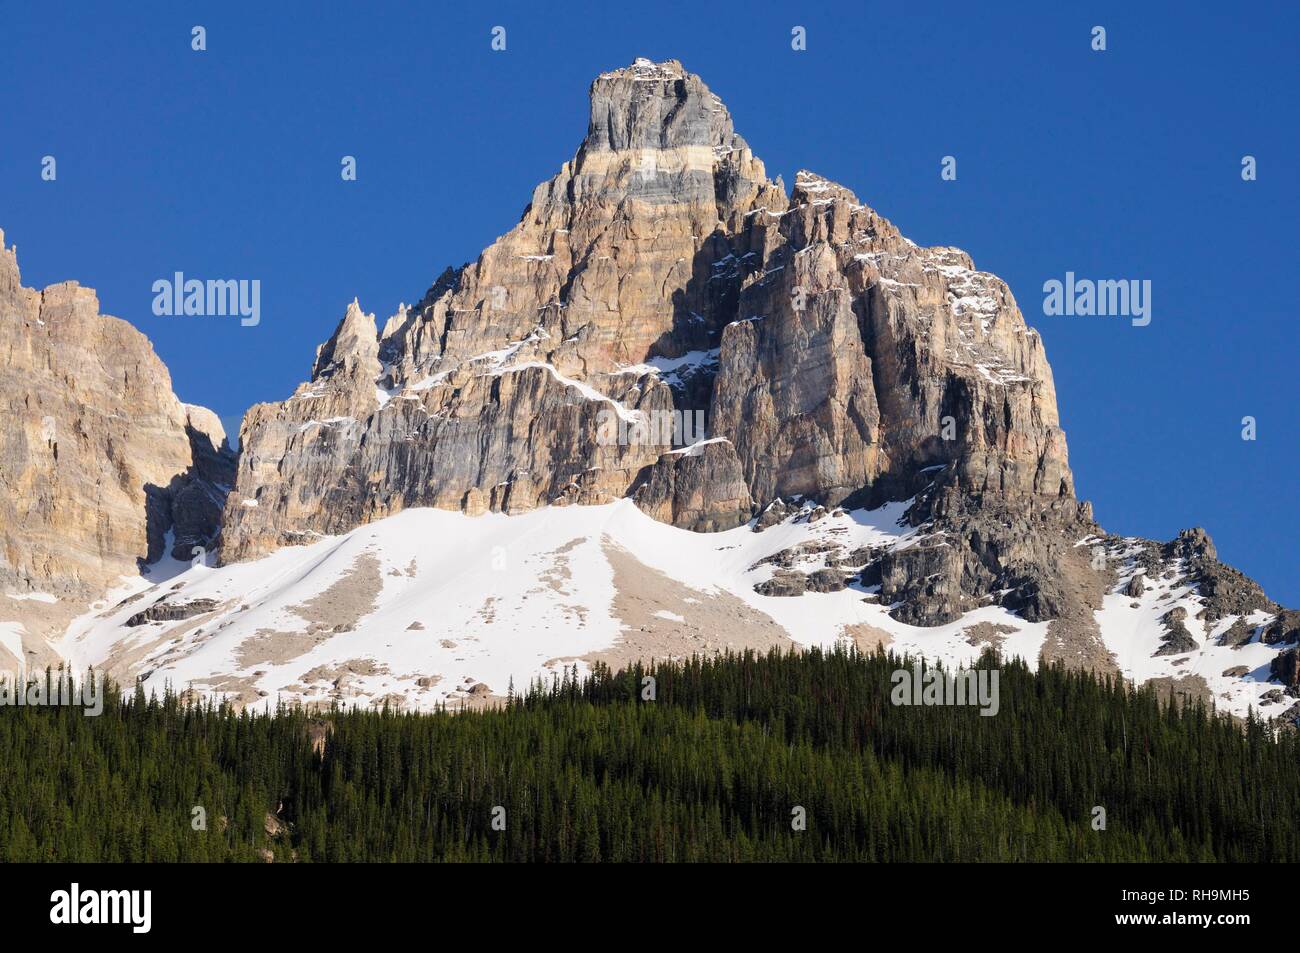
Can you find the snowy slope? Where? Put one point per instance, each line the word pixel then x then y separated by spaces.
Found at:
pixel 419 608
pixel 1132 631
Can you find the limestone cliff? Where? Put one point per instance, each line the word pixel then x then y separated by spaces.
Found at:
pixel 100 463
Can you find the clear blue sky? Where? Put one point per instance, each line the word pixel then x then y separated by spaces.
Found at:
pixel 1122 164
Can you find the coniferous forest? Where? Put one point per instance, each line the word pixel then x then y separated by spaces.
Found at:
pixel 737 758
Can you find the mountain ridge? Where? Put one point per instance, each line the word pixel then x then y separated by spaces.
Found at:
pixel 842 372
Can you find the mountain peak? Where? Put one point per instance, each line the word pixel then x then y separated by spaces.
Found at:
pixel 661 272
pixel 643 68
pixel 102 472
pixel 811 187
pixel 655 106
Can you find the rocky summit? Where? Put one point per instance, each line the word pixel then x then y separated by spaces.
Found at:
pixel 660 272
pixel 678 407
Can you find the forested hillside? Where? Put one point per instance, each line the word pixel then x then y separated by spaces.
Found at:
pixel 715 767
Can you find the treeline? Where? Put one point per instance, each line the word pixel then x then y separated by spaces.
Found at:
pixel 736 758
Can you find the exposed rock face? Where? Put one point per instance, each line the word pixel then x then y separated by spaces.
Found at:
pixel 1286 668
pixel 1283 630
pixel 1227 591
pixel 1239 633
pixel 99 460
pixel 786 582
pixel 699 488
pixel 661 271
pixel 166 611
pixel 772 514
pixel 826 580
pixel 979 545
pixel 1177 638
pixel 859 359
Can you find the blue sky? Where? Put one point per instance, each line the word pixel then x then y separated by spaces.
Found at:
pixel 1121 164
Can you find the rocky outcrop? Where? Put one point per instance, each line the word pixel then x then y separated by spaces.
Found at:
pixel 1285 668
pixel 100 463
pixel 166 611
pixel 699 488
pixel 772 514
pixel 784 582
pixel 827 580
pixel 973 546
pixel 1238 634
pixel 1177 639
pixel 1283 630
pixel 1226 591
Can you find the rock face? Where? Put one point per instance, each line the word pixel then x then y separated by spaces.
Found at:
pixel 1178 640
pixel 699 488
pixel 1285 668
pixel 100 463
pixel 660 281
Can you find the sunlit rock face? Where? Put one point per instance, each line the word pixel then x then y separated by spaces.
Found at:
pixel 660 271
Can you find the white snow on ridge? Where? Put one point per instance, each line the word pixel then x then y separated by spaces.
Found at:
pixel 1132 630
pixel 33 597
pixel 587 391
pixel 674 367
pixel 695 449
